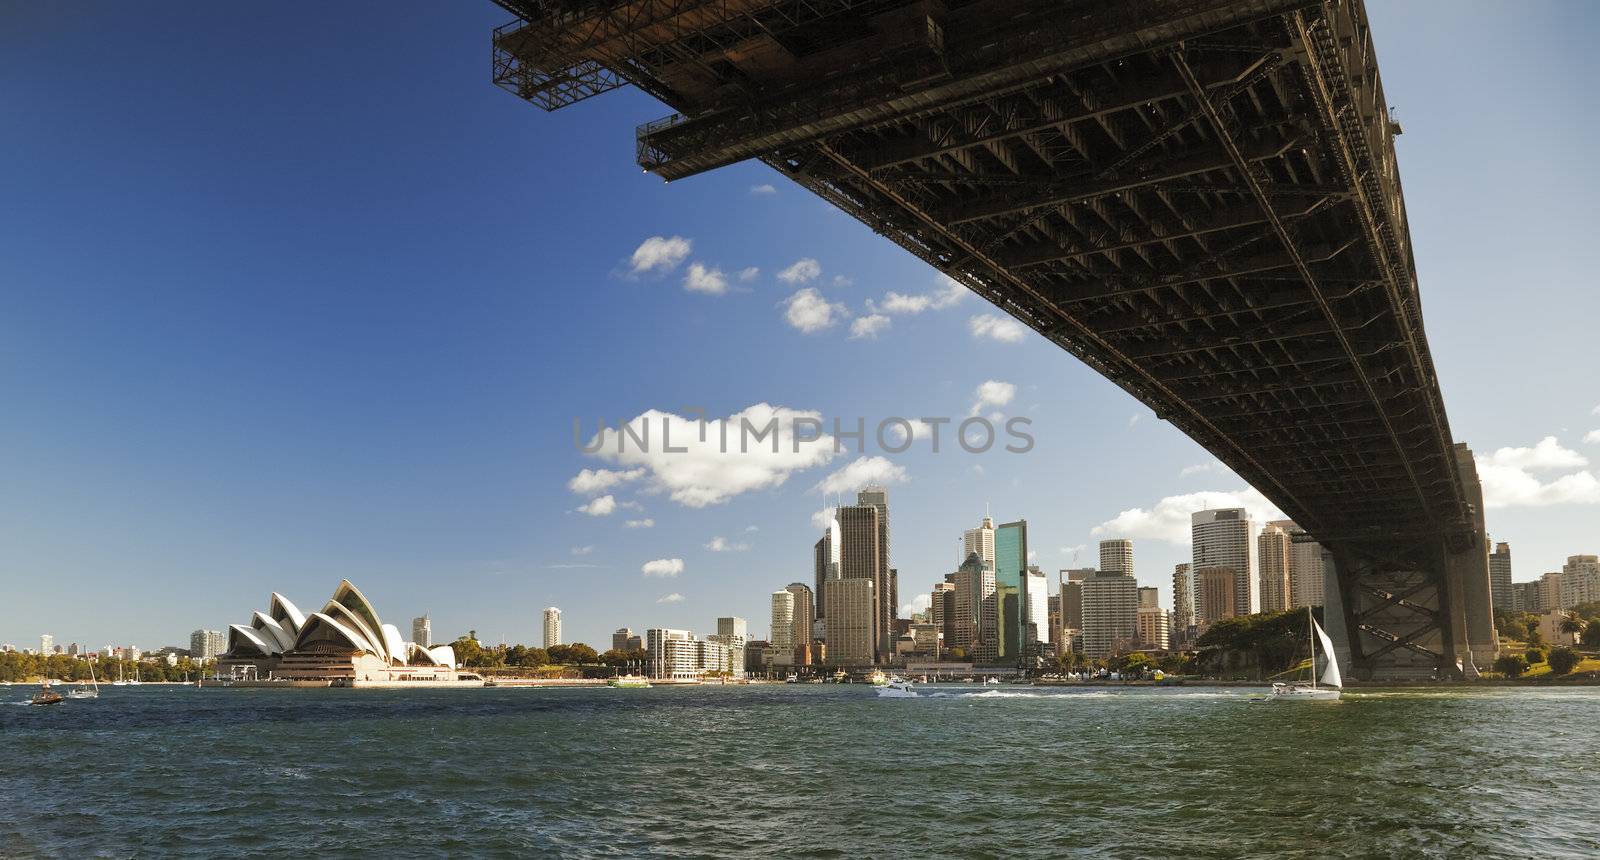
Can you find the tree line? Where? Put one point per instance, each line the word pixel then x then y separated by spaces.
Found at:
pixel 16 666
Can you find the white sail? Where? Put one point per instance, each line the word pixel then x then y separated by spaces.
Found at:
pixel 1330 674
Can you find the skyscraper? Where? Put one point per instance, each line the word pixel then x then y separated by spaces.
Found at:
pixel 782 635
pixel 1155 630
pixel 47 643
pixel 804 612
pixel 1305 565
pixel 1580 580
pixel 860 558
pixel 942 609
pixel 422 631
pixel 1116 556
pixel 1010 569
pixel 1072 606
pixel 1500 578
pixel 1223 538
pixel 1036 618
pixel 1550 591
pixel 734 633
pixel 850 609
pixel 885 587
pixel 1110 613
pixel 974 594
pixel 552 626
pixel 733 625
pixel 207 644
pixel 1182 602
pixel 825 558
pixel 620 637
pixel 1272 556
pixel 981 541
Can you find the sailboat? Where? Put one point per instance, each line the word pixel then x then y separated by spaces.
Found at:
pixel 1330 682
pixel 120 682
pixel 91 692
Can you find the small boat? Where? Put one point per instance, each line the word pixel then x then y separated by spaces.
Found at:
pixel 990 680
pixel 45 696
pixel 1330 682
pixel 91 692
pixel 878 679
pixel 121 681
pixel 792 679
pixel 896 688
pixel 628 682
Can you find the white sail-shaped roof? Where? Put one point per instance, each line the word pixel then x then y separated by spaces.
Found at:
pixel 444 655
pixel 393 644
pixel 417 655
pixel 271 628
pixel 243 639
pixel 286 613
pixel 372 636
pixel 323 627
pixel 351 598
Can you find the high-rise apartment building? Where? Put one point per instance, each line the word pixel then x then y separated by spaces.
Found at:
pixel 1218 589
pixel 1550 593
pixel 733 632
pixel 47 643
pixel 1010 570
pixel 677 655
pixel 804 613
pixel 1305 565
pixel 1224 538
pixel 1525 597
pixel 825 559
pixel 1272 559
pixel 851 621
pixel 1182 601
pixel 207 644
pixel 1036 617
pixel 1580 581
pixel 422 631
pixel 861 557
pixel 782 630
pixel 733 625
pixel 1110 614
pixel 552 626
pixel 1116 556
pixel 942 609
pixel 1500 594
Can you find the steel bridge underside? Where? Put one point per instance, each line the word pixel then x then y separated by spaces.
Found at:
pixel 1197 198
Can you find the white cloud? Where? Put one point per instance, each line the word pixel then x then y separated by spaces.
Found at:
pixel 700 279
pixel 996 327
pixel 1592 436
pixel 1169 519
pixel 571 566
pixel 582 550
pixel 645 523
pixel 674 597
pixel 1595 411
pixel 603 506
pixel 950 293
pixel 1033 556
pixel 896 432
pixel 861 472
pixel 804 270
pixel 1508 479
pixel 809 312
pixel 591 481
pixel 821 519
pixel 722 544
pixel 1199 468
pixel 659 253
pixel 1133 419
pixel 868 326
pixel 749 273
pixel 1071 551
pixel 920 603
pixel 762 189
pixel 993 393
pixel 707 471
pixel 752 528
pixel 662 567
pixel 842 281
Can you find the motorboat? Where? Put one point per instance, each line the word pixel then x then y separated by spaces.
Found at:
pixel 896 688
pixel 45 696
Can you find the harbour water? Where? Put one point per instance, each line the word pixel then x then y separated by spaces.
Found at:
pixel 830 771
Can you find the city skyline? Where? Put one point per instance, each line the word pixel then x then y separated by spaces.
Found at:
pixel 208 414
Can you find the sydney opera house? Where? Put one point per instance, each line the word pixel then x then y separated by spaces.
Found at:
pixel 344 644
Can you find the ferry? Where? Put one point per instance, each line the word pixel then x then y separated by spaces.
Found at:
pixel 878 679
pixel 628 682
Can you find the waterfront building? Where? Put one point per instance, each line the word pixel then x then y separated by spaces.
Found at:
pixel 926 640
pixel 422 630
pixel 1217 587
pixel 1550 591
pixel 1525 597
pixel 1580 581
pixel 781 630
pixel 733 625
pixel 1010 569
pixel 803 613
pixel 207 645
pixel 1110 613
pixel 678 656
pixel 552 626
pixel 1225 538
pixel 1272 557
pixel 1116 556
pixel 1037 630
pixel 979 540
pixel 734 656
pixel 850 612
pixel 860 557
pixel 1155 630
pixel 345 643
pixel 1500 595
pixel 1182 603
pixel 973 623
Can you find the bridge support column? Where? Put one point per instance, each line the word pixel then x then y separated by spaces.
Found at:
pixel 1467 567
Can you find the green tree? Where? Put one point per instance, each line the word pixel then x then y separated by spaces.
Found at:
pixel 1510 665
pixel 1138 663
pixel 1591 633
pixel 1535 656
pixel 1563 660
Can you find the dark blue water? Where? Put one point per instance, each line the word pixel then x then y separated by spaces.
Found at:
pixel 800 770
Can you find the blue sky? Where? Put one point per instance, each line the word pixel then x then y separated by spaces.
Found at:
pixel 289 295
